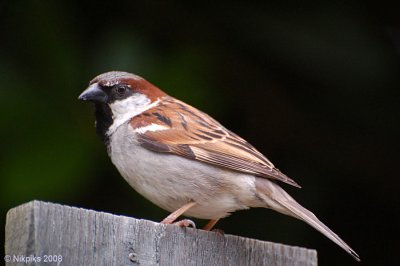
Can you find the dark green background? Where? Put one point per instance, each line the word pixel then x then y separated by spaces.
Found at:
pixel 315 88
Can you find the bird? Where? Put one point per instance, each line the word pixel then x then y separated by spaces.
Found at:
pixel 183 160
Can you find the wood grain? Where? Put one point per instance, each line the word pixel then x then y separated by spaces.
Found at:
pixel 87 237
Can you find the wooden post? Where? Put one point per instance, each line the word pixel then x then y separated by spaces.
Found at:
pixel 40 233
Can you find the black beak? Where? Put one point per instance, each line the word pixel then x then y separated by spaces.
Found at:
pixel 94 94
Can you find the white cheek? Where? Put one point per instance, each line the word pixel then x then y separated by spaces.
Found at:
pixel 128 108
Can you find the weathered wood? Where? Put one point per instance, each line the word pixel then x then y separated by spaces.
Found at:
pixel 85 237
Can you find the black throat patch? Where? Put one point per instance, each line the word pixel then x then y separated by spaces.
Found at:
pixel 103 122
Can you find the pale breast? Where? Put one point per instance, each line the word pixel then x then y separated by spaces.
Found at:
pixel 170 181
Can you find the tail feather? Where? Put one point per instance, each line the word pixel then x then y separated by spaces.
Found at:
pixel 277 199
pixel 305 215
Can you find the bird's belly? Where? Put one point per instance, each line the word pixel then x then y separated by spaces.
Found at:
pixel 170 181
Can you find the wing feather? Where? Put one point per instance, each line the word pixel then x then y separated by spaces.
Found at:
pixel 195 135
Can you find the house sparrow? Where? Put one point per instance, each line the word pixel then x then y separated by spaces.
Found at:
pixel 183 160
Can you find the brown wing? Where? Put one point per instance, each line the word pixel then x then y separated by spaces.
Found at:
pixel 206 141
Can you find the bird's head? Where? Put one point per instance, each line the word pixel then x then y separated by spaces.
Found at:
pixel 118 97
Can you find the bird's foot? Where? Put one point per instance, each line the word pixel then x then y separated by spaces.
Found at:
pixel 218 231
pixel 185 223
pixel 210 224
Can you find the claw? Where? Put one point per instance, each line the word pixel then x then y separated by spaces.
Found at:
pixel 219 231
pixel 185 223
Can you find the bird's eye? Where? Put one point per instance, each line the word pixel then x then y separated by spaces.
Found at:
pixel 121 90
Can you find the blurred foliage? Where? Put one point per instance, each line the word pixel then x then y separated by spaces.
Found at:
pixel 314 88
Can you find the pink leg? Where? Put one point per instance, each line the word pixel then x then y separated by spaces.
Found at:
pixel 210 225
pixel 173 216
